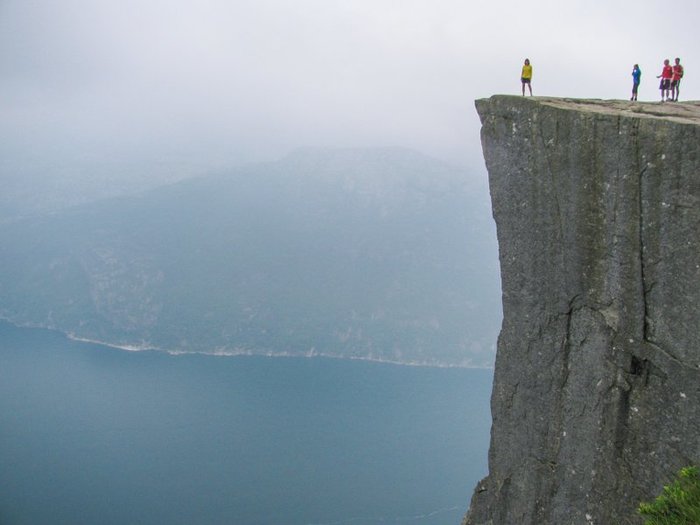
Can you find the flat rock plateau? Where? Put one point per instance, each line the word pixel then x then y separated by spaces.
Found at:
pixel 596 400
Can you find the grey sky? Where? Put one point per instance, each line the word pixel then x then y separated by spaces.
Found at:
pixel 228 81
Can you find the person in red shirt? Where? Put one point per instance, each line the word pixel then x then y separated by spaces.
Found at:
pixel 665 76
pixel 677 75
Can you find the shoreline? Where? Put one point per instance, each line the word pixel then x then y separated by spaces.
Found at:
pixel 241 352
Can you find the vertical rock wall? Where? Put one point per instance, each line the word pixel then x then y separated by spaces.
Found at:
pixel 596 400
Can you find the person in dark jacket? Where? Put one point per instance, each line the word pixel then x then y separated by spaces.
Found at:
pixel 636 79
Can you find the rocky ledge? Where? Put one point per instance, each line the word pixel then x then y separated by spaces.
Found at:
pixel 596 400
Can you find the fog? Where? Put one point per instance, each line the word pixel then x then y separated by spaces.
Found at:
pixel 188 85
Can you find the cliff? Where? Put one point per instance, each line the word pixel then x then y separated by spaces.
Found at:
pixel 596 399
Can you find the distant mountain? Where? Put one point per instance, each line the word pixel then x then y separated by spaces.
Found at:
pixel 382 254
pixel 35 186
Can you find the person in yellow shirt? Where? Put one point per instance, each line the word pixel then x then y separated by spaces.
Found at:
pixel 526 76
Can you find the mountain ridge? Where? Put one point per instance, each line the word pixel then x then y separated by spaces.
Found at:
pixel 366 251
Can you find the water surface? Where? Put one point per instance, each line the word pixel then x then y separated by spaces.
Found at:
pixel 90 434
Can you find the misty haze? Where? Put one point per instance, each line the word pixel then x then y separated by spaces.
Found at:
pixel 249 267
pixel 381 255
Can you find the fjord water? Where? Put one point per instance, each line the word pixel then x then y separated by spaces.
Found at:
pixel 90 434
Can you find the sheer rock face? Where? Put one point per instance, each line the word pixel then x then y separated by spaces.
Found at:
pixel 596 400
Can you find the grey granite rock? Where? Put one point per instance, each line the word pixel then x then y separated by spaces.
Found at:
pixel 596 400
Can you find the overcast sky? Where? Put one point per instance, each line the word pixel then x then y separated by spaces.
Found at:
pixel 227 81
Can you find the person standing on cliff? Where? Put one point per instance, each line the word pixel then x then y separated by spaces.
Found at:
pixel 636 79
pixel 665 76
pixel 676 79
pixel 526 76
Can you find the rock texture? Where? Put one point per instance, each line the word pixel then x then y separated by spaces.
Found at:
pixel 596 400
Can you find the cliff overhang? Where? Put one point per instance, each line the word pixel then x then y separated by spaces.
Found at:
pixel 596 399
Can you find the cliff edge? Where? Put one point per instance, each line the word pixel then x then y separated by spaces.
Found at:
pixel 596 399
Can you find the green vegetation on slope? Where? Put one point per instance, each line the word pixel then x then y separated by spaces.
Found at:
pixel 678 504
